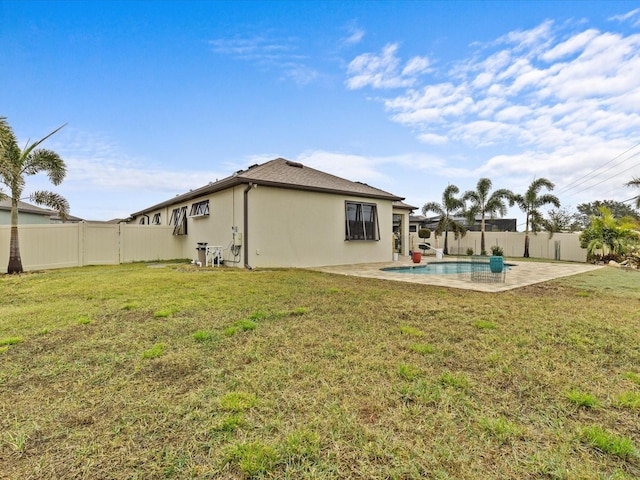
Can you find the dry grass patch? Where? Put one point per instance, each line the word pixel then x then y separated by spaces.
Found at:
pixel 324 377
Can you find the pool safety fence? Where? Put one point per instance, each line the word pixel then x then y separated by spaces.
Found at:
pixel 484 269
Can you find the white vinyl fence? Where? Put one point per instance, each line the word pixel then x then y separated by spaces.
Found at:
pixel 562 246
pixel 77 244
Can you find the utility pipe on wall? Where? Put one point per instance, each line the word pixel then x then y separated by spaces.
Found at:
pixel 245 234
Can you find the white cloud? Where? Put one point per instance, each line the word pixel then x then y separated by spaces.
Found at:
pixel 353 167
pixel 384 70
pixel 530 41
pixel 513 113
pixel 573 45
pixel 556 101
pixel 491 95
pixel 356 34
pixel 416 66
pixel 249 48
pixel 433 139
pixel 626 16
pixel 268 53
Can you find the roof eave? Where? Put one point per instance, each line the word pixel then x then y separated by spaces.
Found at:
pixel 239 180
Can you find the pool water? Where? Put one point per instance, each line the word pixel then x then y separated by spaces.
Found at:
pixel 442 268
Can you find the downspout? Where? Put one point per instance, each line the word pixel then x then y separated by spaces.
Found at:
pixel 245 234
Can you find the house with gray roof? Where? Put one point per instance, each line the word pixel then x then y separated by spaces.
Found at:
pixel 27 213
pixel 283 214
pixel 31 214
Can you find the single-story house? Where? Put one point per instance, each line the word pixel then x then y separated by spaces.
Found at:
pixel 490 224
pixel 284 214
pixel 30 214
pixel 27 213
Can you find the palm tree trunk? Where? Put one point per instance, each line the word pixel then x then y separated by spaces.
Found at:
pixel 446 243
pixel 15 262
pixel 526 238
pixel 483 250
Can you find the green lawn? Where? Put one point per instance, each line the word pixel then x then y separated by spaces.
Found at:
pixel 176 372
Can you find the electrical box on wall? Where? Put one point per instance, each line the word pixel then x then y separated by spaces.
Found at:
pixel 237 239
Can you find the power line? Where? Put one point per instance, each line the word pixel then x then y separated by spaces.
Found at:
pixel 604 171
pixel 586 177
pixel 607 179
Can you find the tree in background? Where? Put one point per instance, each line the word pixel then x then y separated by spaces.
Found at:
pixel 15 165
pixel 608 237
pixel 561 220
pixel 483 204
pixel 531 202
pixel 617 209
pixel 635 183
pixel 450 206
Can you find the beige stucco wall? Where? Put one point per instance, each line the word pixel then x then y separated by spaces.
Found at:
pixel 287 228
pixel 291 228
pixel 215 229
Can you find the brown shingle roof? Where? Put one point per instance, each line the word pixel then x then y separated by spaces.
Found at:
pixel 284 174
pixel 403 206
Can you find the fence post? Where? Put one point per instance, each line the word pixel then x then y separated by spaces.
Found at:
pixel 81 234
pixel 121 243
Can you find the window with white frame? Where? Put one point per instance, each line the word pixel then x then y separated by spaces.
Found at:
pixel 144 220
pixel 361 221
pixel 199 209
pixel 157 219
pixel 179 220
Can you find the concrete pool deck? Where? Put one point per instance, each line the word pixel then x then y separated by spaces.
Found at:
pixel 522 274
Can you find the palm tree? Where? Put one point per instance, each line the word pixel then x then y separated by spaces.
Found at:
pixel 609 236
pixel 635 183
pixel 450 206
pixel 531 202
pixel 484 204
pixel 15 165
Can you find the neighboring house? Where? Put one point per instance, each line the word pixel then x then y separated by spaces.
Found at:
pixel 30 214
pixel 491 224
pixel 283 214
pixel 27 214
pixel 416 222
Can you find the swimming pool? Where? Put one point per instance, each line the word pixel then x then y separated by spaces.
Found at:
pixel 443 268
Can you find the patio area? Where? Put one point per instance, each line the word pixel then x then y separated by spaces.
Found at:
pixel 521 274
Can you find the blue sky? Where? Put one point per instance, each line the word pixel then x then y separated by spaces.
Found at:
pixel 161 97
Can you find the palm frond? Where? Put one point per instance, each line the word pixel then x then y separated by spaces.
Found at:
pixel 7 137
pixel 434 207
pixel 26 151
pixel 547 199
pixel 46 161
pixel 52 200
pixel 635 182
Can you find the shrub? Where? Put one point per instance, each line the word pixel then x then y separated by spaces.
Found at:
pixel 424 233
pixel 497 251
pixel 469 251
